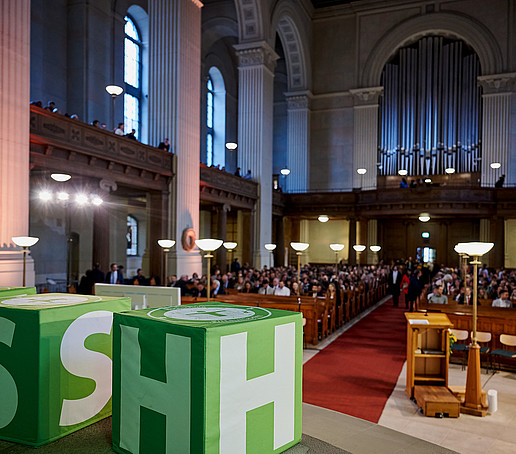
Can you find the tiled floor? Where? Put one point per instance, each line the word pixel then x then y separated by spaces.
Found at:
pixel 403 429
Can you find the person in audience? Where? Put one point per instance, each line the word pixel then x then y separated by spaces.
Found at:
pixel 437 297
pixel 74 117
pixel 296 289
pixel 96 123
pixel 403 183
pixel 266 289
pixel 394 283
pixel 103 126
pixel 248 176
pixel 131 135
pixel 37 104
pixel 466 297
pixel 248 288
pixel 282 290
pixel 50 106
pixel 114 276
pixel 216 288
pixel 97 274
pixel 199 291
pixel 139 277
pixel 119 131
pixel 182 283
pixel 503 300
pixel 237 172
pixel 165 145
pixel 414 290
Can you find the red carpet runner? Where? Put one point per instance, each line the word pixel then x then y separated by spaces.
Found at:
pixel 357 372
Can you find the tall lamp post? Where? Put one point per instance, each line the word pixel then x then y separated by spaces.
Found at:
pixel 208 245
pixel 166 245
pixel 270 247
pixel 114 91
pixel 25 242
pixel 463 261
pixel 230 246
pixel 336 247
pixel 358 249
pixel 299 248
pixel 473 397
pixel 361 171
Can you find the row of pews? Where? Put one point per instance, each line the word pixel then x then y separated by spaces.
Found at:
pixel 322 315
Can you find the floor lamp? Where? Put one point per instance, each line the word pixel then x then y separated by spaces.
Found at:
pixel 299 248
pixel 473 397
pixel 336 247
pixel 114 91
pixel 270 247
pixel 208 245
pixel 25 242
pixel 375 250
pixel 166 245
pixel 358 249
pixel 230 245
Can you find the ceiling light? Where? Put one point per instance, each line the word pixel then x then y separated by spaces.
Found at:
pixel 285 171
pixel 114 90
pixel 425 235
pixel 361 171
pixel 402 172
pixel 424 217
pixel 61 177
pixel 45 195
pixel 96 200
pixel 81 199
pixel 495 165
pixel 63 196
pixel 323 218
pixel 231 146
pixel 450 170
pixel 428 180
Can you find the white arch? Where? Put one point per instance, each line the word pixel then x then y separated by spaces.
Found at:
pixel 444 24
pixel 288 23
pixel 250 20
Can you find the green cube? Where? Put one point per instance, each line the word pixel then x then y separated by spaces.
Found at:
pixel 16 291
pixel 207 378
pixel 55 364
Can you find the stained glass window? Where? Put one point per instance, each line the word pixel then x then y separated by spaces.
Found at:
pixel 132 77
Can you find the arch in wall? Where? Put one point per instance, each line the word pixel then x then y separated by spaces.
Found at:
pixel 286 22
pixel 442 24
pixel 250 20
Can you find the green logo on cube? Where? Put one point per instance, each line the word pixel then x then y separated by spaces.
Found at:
pixel 207 378
pixel 55 364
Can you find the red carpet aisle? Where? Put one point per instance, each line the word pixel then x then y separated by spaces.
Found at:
pixel 357 372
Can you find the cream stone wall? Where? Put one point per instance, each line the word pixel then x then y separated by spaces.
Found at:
pixel 321 235
pixel 510 243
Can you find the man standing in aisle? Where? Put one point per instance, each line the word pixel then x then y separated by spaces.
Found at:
pixel 394 283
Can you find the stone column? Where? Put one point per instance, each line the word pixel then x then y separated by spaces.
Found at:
pixel 372 240
pixel 174 112
pixel 496 128
pixel 304 237
pixel 352 255
pixel 14 138
pixel 298 140
pixel 365 137
pixel 485 237
pixel 222 226
pixel 100 247
pixel 255 113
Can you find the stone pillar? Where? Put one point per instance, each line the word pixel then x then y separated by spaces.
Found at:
pixel 372 240
pixel 362 237
pixel 174 112
pixel 496 128
pixel 14 138
pixel 352 260
pixel 255 113
pixel 304 237
pixel 100 249
pixel 222 221
pixel 485 237
pixel 365 137
pixel 298 141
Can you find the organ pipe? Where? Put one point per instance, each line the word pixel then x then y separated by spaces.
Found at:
pixel 429 112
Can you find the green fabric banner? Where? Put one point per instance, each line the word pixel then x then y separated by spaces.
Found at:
pixel 209 378
pixel 55 364
pixel 16 291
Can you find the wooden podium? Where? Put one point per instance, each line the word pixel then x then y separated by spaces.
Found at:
pixel 428 354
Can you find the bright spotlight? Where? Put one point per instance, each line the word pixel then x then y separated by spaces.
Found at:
pixel 402 172
pixel 63 196
pixel 81 199
pixel 96 200
pixel 45 195
pixel 450 170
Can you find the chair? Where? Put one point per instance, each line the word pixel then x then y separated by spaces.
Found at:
pixel 484 339
pixel 461 335
pixel 506 340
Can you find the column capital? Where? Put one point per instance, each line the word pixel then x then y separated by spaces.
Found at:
pixel 366 96
pixel 300 100
pixel 497 83
pixel 255 54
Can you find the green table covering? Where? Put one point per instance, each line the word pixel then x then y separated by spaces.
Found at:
pixel 16 291
pixel 207 378
pixel 55 364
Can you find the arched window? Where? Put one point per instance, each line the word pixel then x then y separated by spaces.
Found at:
pixel 132 236
pixel 215 118
pixel 209 121
pixel 132 77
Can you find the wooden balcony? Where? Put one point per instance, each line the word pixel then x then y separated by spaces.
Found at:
pixel 59 143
